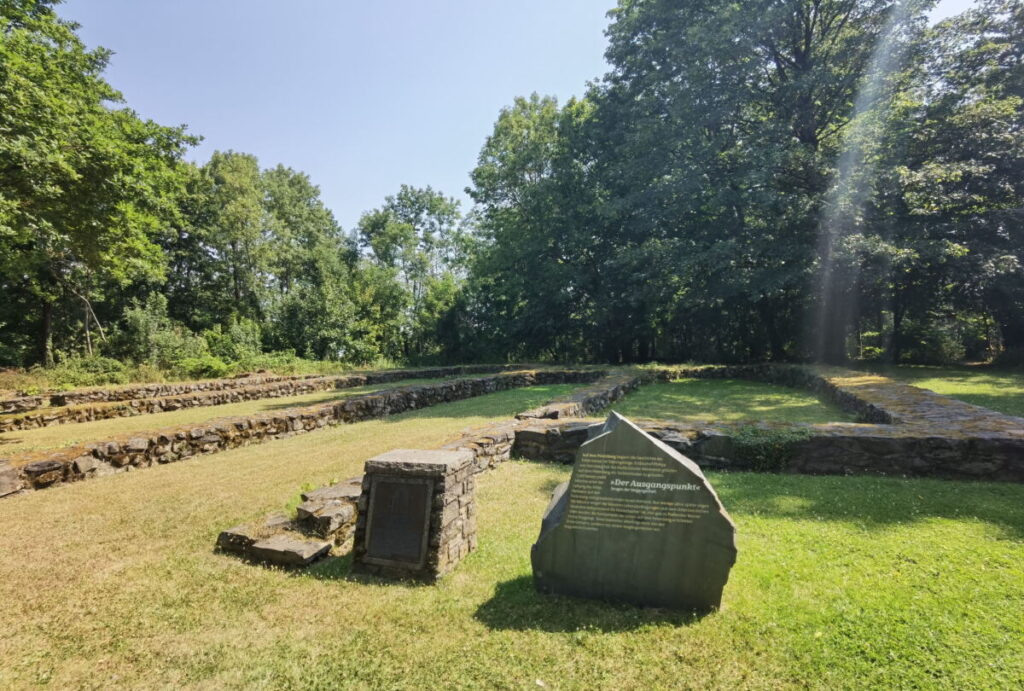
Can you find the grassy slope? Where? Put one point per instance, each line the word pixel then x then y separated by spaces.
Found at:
pixel 59 436
pixel 998 389
pixel 727 400
pixel 841 582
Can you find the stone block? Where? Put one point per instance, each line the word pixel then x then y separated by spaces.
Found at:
pixel 327 517
pixel 9 480
pixel 346 489
pixel 44 473
pixel 286 549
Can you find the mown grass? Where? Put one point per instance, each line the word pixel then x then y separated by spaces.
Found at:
pixel 998 389
pixel 727 400
pixel 61 436
pixel 840 583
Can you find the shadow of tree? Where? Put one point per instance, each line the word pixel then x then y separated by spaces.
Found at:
pixel 340 569
pixel 998 389
pixel 870 501
pixel 517 606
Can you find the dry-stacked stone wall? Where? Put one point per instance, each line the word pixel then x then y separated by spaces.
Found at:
pixel 156 390
pixel 38 471
pixel 20 404
pixel 908 431
pixel 277 387
pixel 591 399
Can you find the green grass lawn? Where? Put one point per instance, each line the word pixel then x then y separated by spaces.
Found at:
pixel 841 582
pixel 726 400
pixel 998 389
pixel 61 436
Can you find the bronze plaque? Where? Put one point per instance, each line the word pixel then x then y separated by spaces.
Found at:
pixel 398 522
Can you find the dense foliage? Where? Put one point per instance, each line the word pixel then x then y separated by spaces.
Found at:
pixel 764 179
pixel 754 179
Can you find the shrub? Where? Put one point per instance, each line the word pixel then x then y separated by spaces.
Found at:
pixel 768 450
pixel 241 340
pixel 932 342
pixel 203 367
pixel 148 335
pixel 92 370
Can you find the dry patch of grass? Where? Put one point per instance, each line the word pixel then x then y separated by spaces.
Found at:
pixel 61 436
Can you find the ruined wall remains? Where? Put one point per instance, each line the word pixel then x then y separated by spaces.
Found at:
pixel 38 471
pixel 228 391
pixel 912 432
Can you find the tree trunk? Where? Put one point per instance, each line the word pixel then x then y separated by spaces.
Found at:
pixel 896 342
pixel 46 335
pixel 88 335
pixel 770 321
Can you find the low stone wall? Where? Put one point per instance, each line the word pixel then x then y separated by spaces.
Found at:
pixel 930 435
pixel 136 391
pixel 20 404
pixel 598 396
pixel 495 443
pixel 39 471
pixel 283 388
pixel 163 389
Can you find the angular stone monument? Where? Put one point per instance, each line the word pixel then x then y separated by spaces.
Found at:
pixel 637 522
pixel 417 514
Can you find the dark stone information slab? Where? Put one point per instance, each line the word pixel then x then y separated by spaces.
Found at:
pixel 637 522
pixel 398 521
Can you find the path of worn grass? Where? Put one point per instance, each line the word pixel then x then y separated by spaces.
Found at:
pixel 727 400
pixel 998 389
pixel 841 583
pixel 61 436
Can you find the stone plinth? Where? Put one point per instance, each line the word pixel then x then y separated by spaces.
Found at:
pixel 417 514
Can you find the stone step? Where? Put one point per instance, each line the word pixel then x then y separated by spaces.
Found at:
pixel 289 549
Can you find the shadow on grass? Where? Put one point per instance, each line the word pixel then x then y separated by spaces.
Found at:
pixel 517 606
pixel 871 502
pixel 990 387
pixel 340 569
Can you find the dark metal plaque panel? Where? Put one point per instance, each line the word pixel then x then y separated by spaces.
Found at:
pixel 398 522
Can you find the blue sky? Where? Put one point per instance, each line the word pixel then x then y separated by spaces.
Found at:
pixel 362 96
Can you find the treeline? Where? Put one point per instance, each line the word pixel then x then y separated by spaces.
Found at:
pixel 753 179
pixel 764 180
pixel 111 243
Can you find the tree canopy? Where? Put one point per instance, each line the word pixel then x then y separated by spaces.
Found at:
pixel 752 179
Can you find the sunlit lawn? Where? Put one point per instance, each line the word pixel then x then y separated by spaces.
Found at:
pixel 60 436
pixel 840 583
pixel 998 389
pixel 727 400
